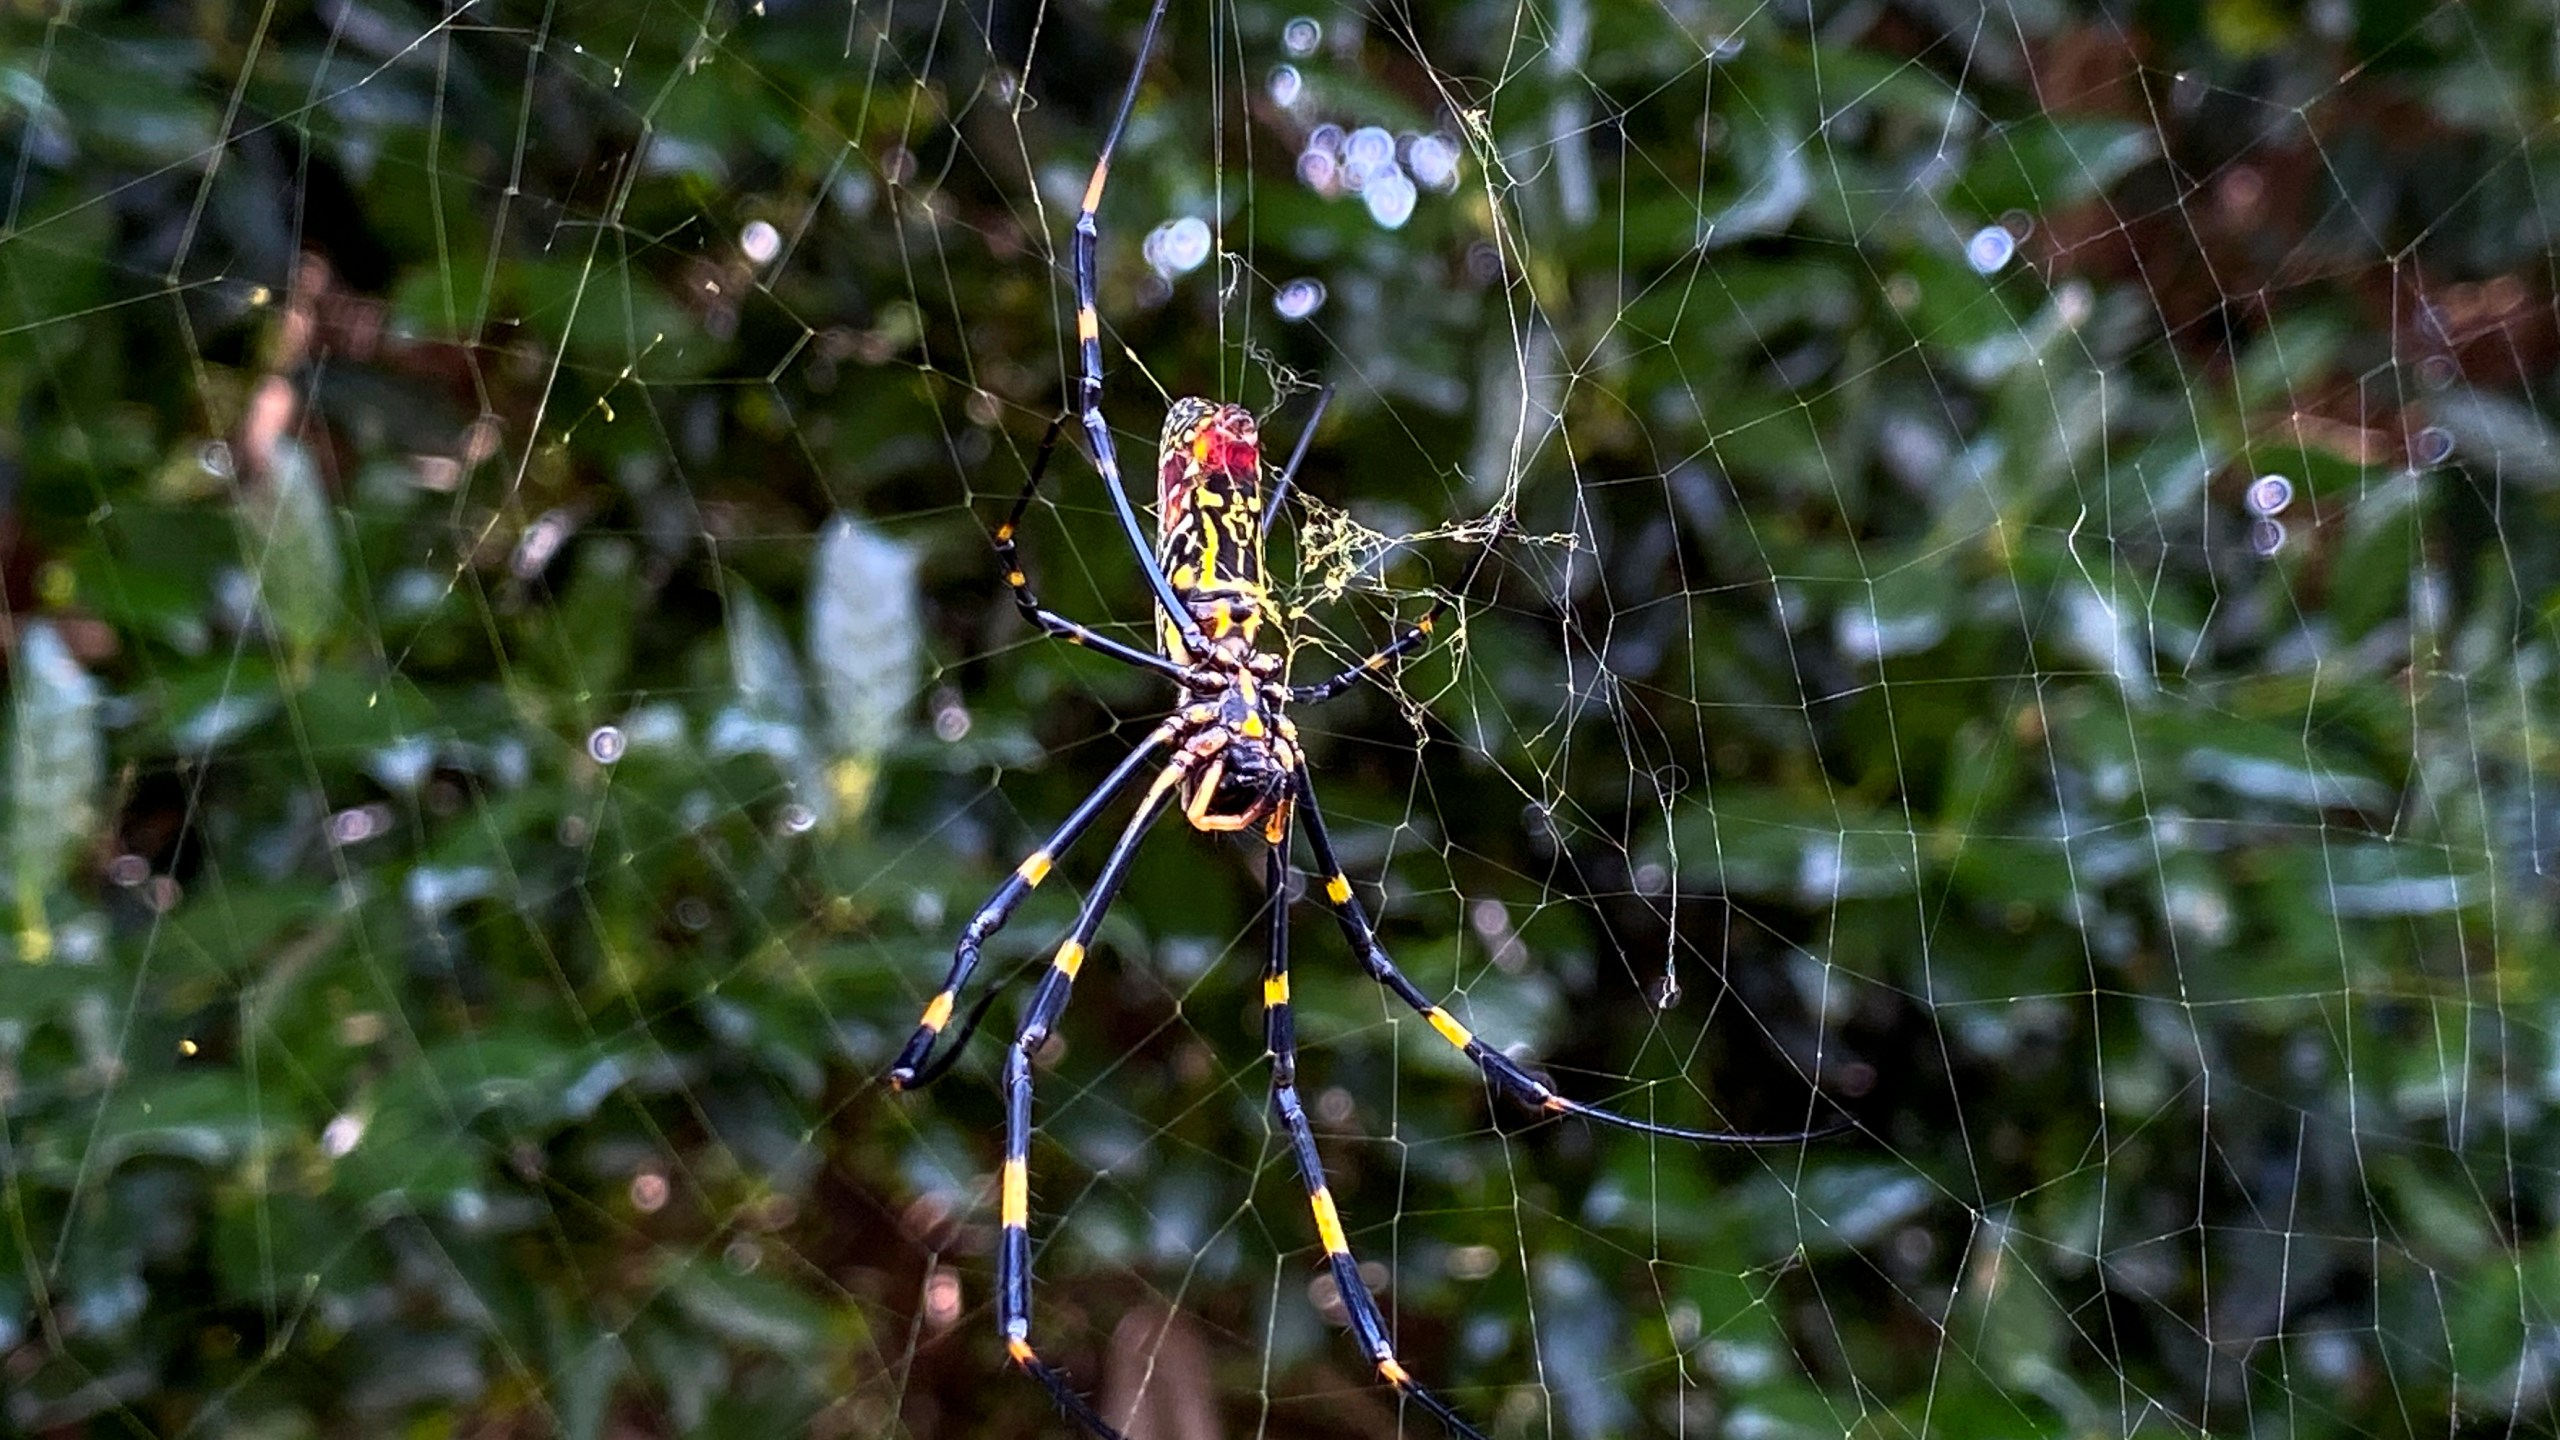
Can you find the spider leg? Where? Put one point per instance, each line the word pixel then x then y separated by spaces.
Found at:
pixel 1498 1068
pixel 1106 458
pixel 1414 637
pixel 1368 1324
pixel 1289 472
pixel 913 1070
pixel 1008 551
pixel 1048 1001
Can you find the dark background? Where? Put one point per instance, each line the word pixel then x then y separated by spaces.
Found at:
pixel 511 704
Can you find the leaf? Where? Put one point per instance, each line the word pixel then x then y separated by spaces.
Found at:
pixel 212 1118
pixel 865 646
pixel 751 1309
pixel 1775 844
pixel 290 544
pixel 1580 1324
pixel 1853 1205
pixel 2046 164
pixel 57 769
pixel 770 715
pixel 2501 436
pixel 1779 183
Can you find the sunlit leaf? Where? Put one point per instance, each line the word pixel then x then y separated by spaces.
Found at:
pixel 289 542
pixel 865 645
pixel 57 770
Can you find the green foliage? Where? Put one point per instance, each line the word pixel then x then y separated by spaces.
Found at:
pixel 510 705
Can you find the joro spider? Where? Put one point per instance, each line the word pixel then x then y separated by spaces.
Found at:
pixel 1232 759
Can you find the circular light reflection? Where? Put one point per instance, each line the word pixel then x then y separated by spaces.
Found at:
pixel 1320 172
pixel 1390 197
pixel 1299 299
pixel 605 744
pixel 2269 494
pixel 1434 162
pixel 1370 151
pixel 1178 247
pixel 1990 248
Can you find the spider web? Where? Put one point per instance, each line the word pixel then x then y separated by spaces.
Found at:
pixel 2023 619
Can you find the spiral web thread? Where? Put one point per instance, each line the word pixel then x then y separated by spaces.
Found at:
pixel 2023 621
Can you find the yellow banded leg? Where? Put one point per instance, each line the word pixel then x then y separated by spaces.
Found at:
pixel 915 1065
pixel 1009 554
pixel 1499 1069
pixel 1084 248
pixel 1368 1323
pixel 1040 1017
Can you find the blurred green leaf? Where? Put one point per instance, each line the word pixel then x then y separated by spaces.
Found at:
pixel 864 634
pixel 289 541
pixel 57 771
pixel 754 1310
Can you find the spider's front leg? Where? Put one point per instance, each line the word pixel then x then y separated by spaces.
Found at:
pixel 1009 554
pixel 1087 246
pixel 1415 636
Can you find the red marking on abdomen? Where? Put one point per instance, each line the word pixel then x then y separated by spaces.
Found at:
pixel 1173 494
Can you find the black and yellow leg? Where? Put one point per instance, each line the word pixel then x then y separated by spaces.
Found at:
pixel 916 1066
pixel 1009 554
pixel 1368 1322
pixel 1498 1068
pixel 1414 638
pixel 1048 1001
pixel 1097 431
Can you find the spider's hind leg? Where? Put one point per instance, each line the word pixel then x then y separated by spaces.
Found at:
pixel 1498 1068
pixel 1368 1323
pixel 916 1065
pixel 1048 1002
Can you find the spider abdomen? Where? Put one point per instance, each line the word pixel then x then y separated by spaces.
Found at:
pixel 1209 502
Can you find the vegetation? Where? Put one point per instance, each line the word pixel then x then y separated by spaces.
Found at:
pixel 2030 624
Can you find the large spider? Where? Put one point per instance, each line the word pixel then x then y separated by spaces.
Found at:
pixel 1231 758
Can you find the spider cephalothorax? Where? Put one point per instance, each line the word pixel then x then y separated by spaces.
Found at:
pixel 1231 758
pixel 1245 753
